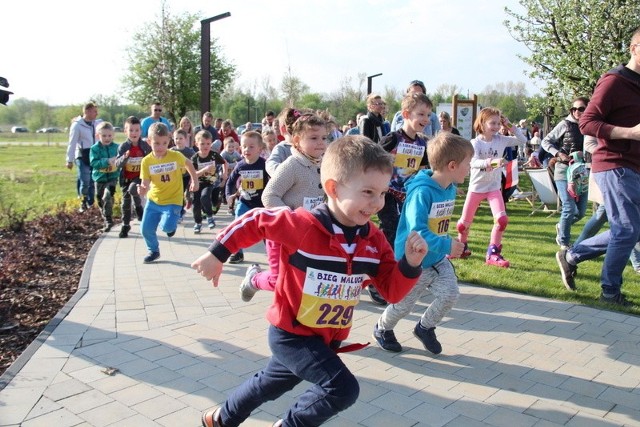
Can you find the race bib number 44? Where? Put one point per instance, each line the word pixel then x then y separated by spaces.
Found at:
pixel 328 299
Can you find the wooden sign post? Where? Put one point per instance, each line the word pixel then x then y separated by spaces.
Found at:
pixel 464 115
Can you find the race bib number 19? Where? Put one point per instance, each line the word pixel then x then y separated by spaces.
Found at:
pixel 328 299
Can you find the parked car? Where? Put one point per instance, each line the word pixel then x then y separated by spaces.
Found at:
pixel 48 130
pixel 256 126
pixel 19 129
pixel 117 129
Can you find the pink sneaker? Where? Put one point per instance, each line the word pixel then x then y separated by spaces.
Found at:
pixel 494 257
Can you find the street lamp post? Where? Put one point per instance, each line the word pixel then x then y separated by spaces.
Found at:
pixel 369 78
pixel 205 61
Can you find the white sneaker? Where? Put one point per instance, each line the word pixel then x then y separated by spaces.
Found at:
pixel 247 290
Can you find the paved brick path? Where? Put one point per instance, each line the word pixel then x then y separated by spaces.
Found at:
pixel 179 346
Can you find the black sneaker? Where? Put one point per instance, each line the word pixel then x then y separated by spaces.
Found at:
pixel 151 256
pixel 386 339
pixel 124 231
pixel 428 338
pixel 107 226
pixel 567 271
pixel 617 299
pixel 236 258
pixel 375 296
pixel 83 207
pixel 171 233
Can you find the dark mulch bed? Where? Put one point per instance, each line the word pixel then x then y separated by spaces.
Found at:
pixel 40 267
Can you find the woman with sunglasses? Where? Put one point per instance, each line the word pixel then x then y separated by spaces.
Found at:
pixel 561 142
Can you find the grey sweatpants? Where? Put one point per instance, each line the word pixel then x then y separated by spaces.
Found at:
pixel 441 280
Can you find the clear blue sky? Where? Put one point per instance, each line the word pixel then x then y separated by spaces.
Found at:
pixel 64 52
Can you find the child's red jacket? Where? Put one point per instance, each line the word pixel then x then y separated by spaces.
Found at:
pixel 319 283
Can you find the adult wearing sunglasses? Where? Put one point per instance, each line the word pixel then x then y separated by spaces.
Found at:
pixel 561 142
pixel 156 116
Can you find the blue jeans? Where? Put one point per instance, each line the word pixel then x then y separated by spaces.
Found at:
pixel 296 358
pixel 155 214
pixel 86 188
pixel 572 211
pixel 241 209
pixel 593 225
pixel 621 193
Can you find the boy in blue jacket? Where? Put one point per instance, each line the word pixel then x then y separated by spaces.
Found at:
pixel 427 209
pixel 104 172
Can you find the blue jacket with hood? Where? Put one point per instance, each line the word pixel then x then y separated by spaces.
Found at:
pixel 427 209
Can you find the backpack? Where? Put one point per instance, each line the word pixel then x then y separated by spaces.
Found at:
pixel 577 173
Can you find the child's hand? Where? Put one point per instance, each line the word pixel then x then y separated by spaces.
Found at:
pixel 112 161
pixel 456 248
pixel 142 190
pixel 126 154
pixel 231 201
pixel 209 267
pixel 415 248
pixel 195 185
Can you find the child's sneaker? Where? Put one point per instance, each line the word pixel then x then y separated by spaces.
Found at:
pixel 211 418
pixel 124 231
pixel 247 289
pixel 236 258
pixel 139 212
pixel 151 256
pixel 495 258
pixel 211 222
pixel 375 296
pixel 197 228
pixel 428 338
pixel 466 252
pixel 171 233
pixel 108 224
pixel 386 339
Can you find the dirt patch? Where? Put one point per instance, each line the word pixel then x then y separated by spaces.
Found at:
pixel 40 267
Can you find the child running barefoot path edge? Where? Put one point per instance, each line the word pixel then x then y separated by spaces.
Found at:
pixel 161 174
pixel 485 181
pixel 332 251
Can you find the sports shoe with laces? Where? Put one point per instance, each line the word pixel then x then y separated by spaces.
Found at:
pixel 428 338
pixel 151 256
pixel 494 257
pixel 107 226
pixel 617 299
pixel 567 271
pixel 197 228
pixel 375 296
pixel 171 233
pixel 386 339
pixel 124 231
pixel 236 258
pixel 212 418
pixel 211 222
pixel 247 290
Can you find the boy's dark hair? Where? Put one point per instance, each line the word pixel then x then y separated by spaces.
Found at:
pixel 89 106
pixel 353 154
pixel 412 100
pixel 131 120
pixel 447 147
pixel 158 129
pixel 180 132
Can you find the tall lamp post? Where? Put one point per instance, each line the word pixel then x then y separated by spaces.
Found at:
pixel 205 61
pixel 369 78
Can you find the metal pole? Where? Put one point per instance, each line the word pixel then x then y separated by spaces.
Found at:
pixel 205 61
pixel 369 85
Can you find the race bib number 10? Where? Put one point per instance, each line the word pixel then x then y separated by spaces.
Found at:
pixel 328 299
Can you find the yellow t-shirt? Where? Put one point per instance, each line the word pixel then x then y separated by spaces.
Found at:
pixel 166 177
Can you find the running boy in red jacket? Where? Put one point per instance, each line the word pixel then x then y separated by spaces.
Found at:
pixel 327 257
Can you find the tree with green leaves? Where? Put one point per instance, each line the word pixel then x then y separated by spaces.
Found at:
pixel 573 42
pixel 164 65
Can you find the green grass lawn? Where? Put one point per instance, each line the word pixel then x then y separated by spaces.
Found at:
pixel 33 177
